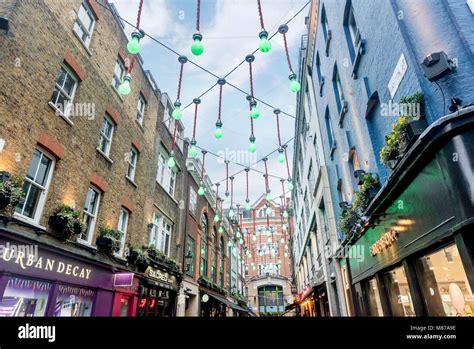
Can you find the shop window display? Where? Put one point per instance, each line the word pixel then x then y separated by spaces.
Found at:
pixel 444 283
pixel 398 292
pixel 372 296
pixel 73 301
pixel 24 297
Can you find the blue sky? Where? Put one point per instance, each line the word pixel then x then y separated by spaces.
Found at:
pixel 230 29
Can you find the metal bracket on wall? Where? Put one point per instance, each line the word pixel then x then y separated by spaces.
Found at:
pixel 342 113
pixel 328 41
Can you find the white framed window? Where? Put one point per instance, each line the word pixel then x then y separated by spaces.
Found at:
pixel 166 176
pixel 192 200
pixel 119 73
pixel 122 228
pixel 160 235
pixel 132 163
pixel 64 90
pixel 106 134
pixel 141 109
pixel 91 208
pixel 84 25
pixel 35 187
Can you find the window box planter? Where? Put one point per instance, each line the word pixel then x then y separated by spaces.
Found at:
pixel 137 257
pixel 65 223
pixel 359 175
pixel 108 241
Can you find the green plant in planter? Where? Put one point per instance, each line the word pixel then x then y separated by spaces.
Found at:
pixel 66 222
pixel 108 240
pixel 367 190
pixel 11 193
pixel 136 255
pixel 396 141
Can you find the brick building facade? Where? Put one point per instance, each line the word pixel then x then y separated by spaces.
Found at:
pixel 84 145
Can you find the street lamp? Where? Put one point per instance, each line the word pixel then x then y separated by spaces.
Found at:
pixel 189 259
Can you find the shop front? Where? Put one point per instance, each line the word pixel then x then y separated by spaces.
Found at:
pixel 40 280
pixel 416 256
pixel 157 293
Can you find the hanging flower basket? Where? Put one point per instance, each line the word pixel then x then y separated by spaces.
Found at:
pixel 137 257
pixel 65 222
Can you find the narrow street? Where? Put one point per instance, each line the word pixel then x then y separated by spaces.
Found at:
pixel 238 159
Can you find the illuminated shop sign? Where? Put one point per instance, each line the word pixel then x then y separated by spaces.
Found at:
pixel 35 262
pixel 159 275
pixel 385 241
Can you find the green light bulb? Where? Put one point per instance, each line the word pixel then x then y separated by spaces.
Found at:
pixel 227 199
pixel 241 241
pixel 254 113
pixel 281 158
pixel 282 240
pixel 265 45
pixel 286 254
pixel 253 267
pixel 254 238
pixel 247 206
pixel 286 246
pixel 269 239
pixel 218 132
pixel 231 213
pixel 290 185
pixel 221 230
pixel 193 152
pixel 197 48
pixel 133 46
pixel 285 227
pixel 268 211
pixel 268 197
pixel 177 114
pixel 229 243
pixel 252 147
pixel 201 191
pixel 216 218
pixel 171 163
pixel 285 214
pixel 238 235
pixel 295 86
pixel 124 88
pixel 203 250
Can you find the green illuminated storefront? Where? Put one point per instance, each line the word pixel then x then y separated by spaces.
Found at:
pixel 417 239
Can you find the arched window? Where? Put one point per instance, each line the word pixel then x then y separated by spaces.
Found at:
pixel 204 238
pixel 221 264
pixel 214 256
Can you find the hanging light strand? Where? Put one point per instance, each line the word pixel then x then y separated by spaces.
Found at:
pixel 217 196
pixel 287 162
pixel 260 14
pixel 247 183
pixel 196 103
pixel 231 191
pixel 198 15
pixel 227 177
pixel 203 160
pixel 139 15
pixel 173 140
pixel 124 20
pixel 277 113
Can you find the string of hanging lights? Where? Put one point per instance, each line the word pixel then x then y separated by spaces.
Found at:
pixel 197 47
pixel 216 215
pixel 218 132
pixel 294 84
pixel 192 152
pixel 265 44
pixel 133 47
pixel 177 112
pixel 127 79
pixel 201 189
